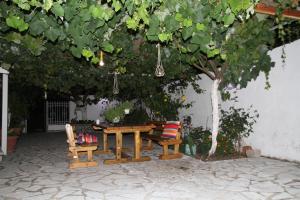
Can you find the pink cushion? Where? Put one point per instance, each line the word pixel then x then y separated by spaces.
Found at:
pixel 170 129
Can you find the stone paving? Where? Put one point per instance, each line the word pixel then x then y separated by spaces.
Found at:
pixel 38 170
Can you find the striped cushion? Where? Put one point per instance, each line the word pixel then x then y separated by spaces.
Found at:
pixel 170 129
pixel 86 139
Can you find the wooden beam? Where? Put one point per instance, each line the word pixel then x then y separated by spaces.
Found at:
pixel 271 10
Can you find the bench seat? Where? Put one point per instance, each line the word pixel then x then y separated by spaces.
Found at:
pixel 165 142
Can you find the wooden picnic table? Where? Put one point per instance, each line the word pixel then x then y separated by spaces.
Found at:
pixel 119 130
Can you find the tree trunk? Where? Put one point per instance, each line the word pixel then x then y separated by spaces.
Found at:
pixel 215 115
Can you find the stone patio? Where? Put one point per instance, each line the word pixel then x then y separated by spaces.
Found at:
pixel 38 170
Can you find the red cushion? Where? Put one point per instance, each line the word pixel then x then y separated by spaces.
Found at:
pixel 172 126
pixel 171 129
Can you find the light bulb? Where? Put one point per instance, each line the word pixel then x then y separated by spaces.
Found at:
pixel 101 63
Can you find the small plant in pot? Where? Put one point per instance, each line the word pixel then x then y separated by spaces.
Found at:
pixel 127 106
pixel 16 124
pixel 12 138
pixel 117 113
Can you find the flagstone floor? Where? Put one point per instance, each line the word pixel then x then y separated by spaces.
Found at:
pixel 38 170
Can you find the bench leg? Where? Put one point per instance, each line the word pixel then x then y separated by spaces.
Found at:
pixel 167 156
pixel 176 148
pixel 90 155
pixel 149 146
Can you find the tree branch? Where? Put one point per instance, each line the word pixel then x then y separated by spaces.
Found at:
pixel 215 68
pixel 205 71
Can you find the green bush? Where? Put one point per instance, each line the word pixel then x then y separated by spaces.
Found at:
pixel 235 124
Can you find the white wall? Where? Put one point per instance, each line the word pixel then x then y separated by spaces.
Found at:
pixel 94 111
pixel 201 109
pixel 277 131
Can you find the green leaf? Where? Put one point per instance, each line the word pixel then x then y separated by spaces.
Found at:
pixel 238 5
pixel 23 4
pixel 199 39
pixel 35 3
pixel 52 34
pixel 152 37
pixel 108 47
pixel 70 12
pixel 163 37
pixel 117 5
pixel 192 47
pixel 87 53
pixel 187 22
pixel 85 15
pixel 95 60
pixel 38 26
pixel 187 33
pixel 14 37
pixel 17 23
pixel 47 4
pixel 178 17
pixel 228 19
pixel 35 45
pixel 76 51
pixel 57 10
pixel 143 14
pixel 223 56
pixel 200 27
pixel 132 23
pixel 96 11
pixel 108 14
pixel 213 52
pixel 171 24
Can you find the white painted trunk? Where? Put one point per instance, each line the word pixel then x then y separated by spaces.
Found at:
pixel 215 115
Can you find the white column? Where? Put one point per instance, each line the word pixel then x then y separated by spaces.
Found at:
pixel 4 112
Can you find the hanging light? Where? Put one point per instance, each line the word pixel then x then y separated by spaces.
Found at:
pixel 159 71
pixel 116 85
pixel 101 62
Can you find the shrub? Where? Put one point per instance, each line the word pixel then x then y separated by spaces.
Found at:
pixel 235 125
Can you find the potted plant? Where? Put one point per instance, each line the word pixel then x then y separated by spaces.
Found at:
pixel 117 113
pixel 12 138
pixel 18 109
pixel 126 106
pixel 16 124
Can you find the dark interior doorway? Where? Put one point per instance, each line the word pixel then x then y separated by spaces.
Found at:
pixel 36 121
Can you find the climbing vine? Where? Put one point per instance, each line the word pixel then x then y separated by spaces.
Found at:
pixel 56 44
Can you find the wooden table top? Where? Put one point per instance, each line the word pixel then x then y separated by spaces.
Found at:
pixel 112 128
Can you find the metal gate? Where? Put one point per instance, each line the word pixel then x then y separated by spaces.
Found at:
pixel 57 113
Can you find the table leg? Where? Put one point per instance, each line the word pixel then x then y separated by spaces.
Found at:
pixel 118 145
pixel 118 158
pixel 149 143
pixel 137 145
pixel 105 142
pixel 137 148
pixel 105 146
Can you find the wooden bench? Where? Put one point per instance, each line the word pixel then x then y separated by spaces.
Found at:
pixel 165 142
pixel 76 150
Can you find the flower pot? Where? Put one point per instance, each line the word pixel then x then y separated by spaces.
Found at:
pixel 190 150
pixel 126 111
pixel 11 143
pixel 116 120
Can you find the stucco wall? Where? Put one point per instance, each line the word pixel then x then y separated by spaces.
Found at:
pixel 277 132
pixel 94 111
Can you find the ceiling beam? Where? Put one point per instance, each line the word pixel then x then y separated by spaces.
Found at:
pixel 271 10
